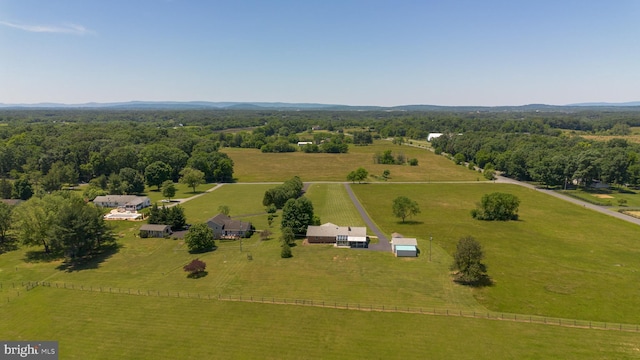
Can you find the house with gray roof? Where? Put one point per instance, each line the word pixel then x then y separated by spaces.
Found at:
pixel 343 236
pixel 225 227
pixel 155 230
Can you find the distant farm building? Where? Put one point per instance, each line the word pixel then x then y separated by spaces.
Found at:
pixel 225 227
pixel 155 230
pixel 342 236
pixel 303 143
pixel 404 247
pixel 127 202
pixel 432 136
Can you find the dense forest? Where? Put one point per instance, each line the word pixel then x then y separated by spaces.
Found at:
pixel 119 151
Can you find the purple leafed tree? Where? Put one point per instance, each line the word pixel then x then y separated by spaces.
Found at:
pixel 195 268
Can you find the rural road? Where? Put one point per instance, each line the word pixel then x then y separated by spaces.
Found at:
pixel 601 209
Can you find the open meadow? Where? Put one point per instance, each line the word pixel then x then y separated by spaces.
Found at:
pixel 251 165
pixel 558 260
pixel 93 325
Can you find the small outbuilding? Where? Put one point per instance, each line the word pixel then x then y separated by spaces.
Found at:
pixel 404 247
pixel 155 230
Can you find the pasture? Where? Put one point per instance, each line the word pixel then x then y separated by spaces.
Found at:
pixel 316 272
pixel 93 325
pixel 606 197
pixel 557 260
pixel 251 165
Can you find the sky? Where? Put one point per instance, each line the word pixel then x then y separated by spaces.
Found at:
pixel 352 52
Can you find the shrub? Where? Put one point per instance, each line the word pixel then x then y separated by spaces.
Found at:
pixel 413 162
pixel 286 251
pixel 497 206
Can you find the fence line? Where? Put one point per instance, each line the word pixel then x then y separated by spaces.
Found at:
pixel 490 315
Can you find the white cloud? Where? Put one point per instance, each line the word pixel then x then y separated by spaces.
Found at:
pixel 63 29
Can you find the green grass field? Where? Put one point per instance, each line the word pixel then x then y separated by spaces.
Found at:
pixel 607 197
pixel 182 192
pixel 331 202
pixel 558 260
pixel 91 325
pixel 251 165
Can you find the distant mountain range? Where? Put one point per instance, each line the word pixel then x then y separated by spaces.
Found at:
pixel 195 105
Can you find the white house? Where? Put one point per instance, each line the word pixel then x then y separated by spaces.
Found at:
pixel 128 202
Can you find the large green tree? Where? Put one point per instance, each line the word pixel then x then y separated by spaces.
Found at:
pixel 468 261
pixel 404 207
pixel 157 173
pixel 22 189
pixel 359 175
pixel 297 214
pixel 132 181
pixel 216 166
pixel 279 195
pixel 5 220
pixel 497 206
pixel 192 177
pixel 199 238
pixel 63 223
pixel 168 189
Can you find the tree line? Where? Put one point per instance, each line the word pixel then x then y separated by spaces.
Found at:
pixel 550 160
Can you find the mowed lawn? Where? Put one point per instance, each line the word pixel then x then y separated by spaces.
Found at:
pixel 332 204
pixel 92 325
pixel 316 272
pixel 251 165
pixel 558 260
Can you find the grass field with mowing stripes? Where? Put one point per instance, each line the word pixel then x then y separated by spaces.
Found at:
pixel 558 259
pixel 90 325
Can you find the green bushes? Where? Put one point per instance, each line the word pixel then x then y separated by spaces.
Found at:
pixel 497 206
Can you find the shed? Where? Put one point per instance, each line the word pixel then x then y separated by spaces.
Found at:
pixel 404 246
pixel 155 230
pixel 406 251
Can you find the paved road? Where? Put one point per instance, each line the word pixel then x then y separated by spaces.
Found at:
pixel 602 209
pixel 383 242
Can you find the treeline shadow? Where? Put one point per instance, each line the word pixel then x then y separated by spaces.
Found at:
pixel 202 251
pixel 90 261
pixel 8 244
pixel 410 222
pixel 482 282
